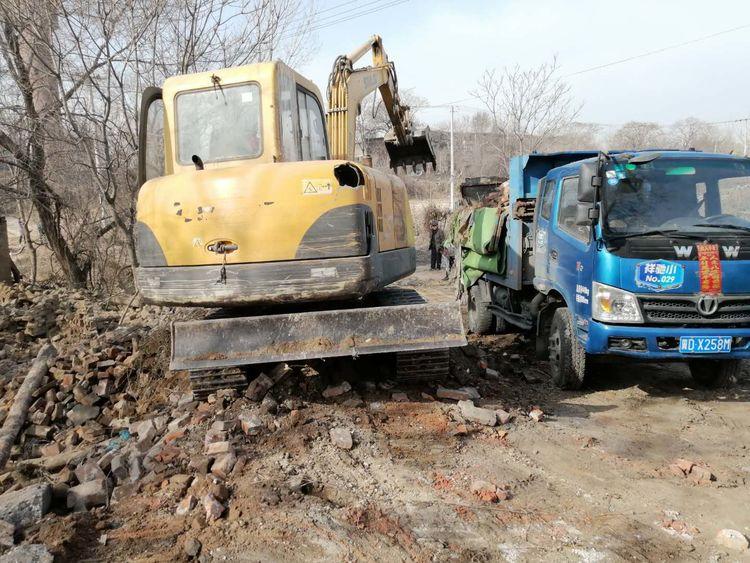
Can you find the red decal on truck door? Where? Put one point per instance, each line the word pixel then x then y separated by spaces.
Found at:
pixel 709 268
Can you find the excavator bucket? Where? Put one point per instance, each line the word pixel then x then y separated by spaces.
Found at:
pixel 418 153
pixel 387 326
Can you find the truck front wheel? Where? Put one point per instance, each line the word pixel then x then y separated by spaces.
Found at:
pixel 715 373
pixel 569 362
pixel 481 319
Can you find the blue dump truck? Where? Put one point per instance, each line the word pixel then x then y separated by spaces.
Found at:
pixel 641 254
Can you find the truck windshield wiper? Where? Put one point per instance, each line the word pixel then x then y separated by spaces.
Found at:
pixel 727 226
pixel 654 232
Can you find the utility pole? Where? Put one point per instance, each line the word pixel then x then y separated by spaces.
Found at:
pixel 745 138
pixel 453 175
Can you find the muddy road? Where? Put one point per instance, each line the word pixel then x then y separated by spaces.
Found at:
pixel 597 478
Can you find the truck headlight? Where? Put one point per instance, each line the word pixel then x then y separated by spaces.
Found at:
pixel 612 305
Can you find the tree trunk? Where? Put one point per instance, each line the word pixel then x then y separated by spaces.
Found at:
pixel 23 400
pixel 6 269
pixel 46 208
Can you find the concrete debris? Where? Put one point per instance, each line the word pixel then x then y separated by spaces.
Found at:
pixel 81 413
pixel 487 492
pixel 192 547
pixel 214 509
pixel 186 505
pixel 88 494
pixel 477 414
pixel 337 390
pixel 218 448
pixel 224 464
pixel 461 394
pixel 28 553
pixel 536 414
pixel 269 405
pixel 341 438
pixel 89 471
pixel 503 417
pixel 26 506
pixel 732 539
pixel 259 387
pixel 251 423
pixel 7 533
pixel 698 474
pixel 400 397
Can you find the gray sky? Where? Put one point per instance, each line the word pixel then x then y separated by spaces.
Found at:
pixel 441 48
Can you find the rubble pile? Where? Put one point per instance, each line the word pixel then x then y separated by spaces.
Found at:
pixel 84 407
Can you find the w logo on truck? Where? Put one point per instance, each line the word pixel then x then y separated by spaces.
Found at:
pixel 686 252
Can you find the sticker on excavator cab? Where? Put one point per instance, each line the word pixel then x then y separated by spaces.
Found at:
pixel 316 187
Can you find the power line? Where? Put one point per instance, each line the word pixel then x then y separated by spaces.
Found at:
pixel 351 17
pixel 740 120
pixel 315 20
pixel 657 51
pixel 446 104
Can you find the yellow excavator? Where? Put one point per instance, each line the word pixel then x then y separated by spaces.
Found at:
pixel 251 201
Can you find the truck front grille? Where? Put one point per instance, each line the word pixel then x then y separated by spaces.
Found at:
pixel 683 310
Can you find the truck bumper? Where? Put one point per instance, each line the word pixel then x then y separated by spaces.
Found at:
pixel 659 343
pixel 266 283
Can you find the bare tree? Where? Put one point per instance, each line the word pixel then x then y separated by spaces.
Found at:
pixel 373 120
pixel 638 135
pixel 69 122
pixel 526 106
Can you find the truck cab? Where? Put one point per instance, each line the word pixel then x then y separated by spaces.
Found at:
pixel 642 254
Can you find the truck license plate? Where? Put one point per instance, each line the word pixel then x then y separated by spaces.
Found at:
pixel 705 344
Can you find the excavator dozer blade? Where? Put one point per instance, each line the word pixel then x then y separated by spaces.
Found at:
pixel 418 153
pixel 236 341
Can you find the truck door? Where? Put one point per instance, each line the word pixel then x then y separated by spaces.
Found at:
pixel 541 236
pixel 569 252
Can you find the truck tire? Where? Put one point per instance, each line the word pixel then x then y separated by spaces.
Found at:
pixel 715 373
pixel 569 362
pixel 481 319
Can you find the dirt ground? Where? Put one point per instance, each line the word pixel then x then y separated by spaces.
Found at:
pixel 590 482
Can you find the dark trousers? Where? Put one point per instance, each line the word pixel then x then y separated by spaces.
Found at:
pixel 436 259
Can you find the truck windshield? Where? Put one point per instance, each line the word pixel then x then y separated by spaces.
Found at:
pixel 701 195
pixel 221 123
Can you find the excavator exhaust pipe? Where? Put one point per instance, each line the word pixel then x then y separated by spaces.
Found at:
pixel 417 153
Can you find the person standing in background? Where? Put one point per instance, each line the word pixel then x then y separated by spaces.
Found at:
pixel 437 237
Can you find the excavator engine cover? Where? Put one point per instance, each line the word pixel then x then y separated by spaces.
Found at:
pixel 418 153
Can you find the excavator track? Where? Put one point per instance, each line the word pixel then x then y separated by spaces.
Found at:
pixel 203 383
pixel 423 366
pixel 217 350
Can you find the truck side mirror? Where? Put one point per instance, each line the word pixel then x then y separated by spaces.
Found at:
pixel 589 182
pixel 586 214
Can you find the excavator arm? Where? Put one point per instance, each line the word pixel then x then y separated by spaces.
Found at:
pixel 347 87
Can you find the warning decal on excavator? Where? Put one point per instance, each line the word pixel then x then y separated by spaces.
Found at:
pixel 316 187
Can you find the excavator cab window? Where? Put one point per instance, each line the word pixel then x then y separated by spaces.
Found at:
pixel 313 142
pixel 218 124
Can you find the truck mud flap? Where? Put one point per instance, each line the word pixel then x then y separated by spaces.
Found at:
pixel 236 341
